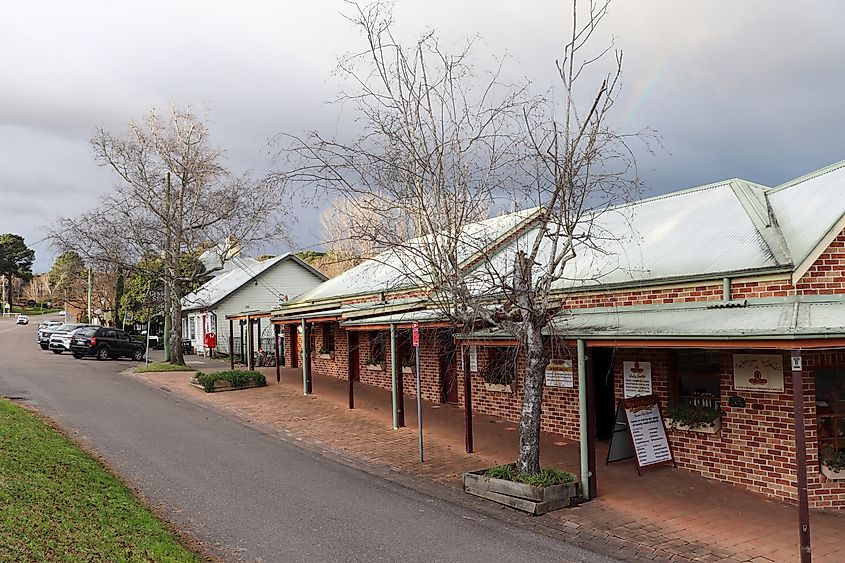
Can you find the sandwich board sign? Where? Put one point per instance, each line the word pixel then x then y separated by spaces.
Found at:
pixel 647 441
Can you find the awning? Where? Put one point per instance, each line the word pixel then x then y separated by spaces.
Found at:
pixel 427 317
pixel 792 322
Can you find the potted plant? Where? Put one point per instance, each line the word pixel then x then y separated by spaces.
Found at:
pixel 498 380
pixel 326 354
pixel 373 365
pixel 684 416
pixel 549 490
pixel 832 463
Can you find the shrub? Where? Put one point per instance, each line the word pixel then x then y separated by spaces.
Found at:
pixel 545 478
pixel 692 416
pixel 237 378
pixel 834 459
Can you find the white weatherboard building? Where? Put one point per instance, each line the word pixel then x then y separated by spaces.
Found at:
pixel 247 286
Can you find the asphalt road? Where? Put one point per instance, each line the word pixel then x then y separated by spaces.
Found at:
pixel 245 494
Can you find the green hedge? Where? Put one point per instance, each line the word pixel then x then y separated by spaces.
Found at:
pixel 237 378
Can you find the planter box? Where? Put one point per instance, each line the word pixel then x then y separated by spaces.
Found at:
pixel 498 387
pixel 223 385
pixel 711 428
pixel 831 474
pixel 373 367
pixel 407 369
pixel 534 500
pixel 326 356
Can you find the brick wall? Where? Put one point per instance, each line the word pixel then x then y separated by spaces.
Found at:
pixel 755 448
pixel 827 274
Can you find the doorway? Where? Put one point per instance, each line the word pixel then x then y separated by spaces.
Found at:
pixel 294 347
pixel 605 413
pixel 448 367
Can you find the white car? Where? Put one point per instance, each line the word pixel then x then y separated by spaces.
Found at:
pixel 61 338
pixel 23 320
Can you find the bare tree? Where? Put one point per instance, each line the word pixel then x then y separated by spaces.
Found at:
pixel 441 147
pixel 174 197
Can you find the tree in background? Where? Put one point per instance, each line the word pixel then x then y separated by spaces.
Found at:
pixel 15 261
pixel 174 197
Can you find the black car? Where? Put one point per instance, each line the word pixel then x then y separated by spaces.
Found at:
pixel 104 343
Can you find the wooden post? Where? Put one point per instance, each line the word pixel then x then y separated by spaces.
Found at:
pixel 306 359
pixel 231 345
pixel 467 398
pixel 349 357
pixel 242 346
pixel 591 425
pixel 276 344
pixel 251 361
pixel 801 457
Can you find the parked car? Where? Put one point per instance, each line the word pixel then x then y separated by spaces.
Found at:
pixel 44 333
pixel 45 324
pixel 104 343
pixel 23 320
pixel 60 339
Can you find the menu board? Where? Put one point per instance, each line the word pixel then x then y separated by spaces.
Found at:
pixel 560 374
pixel 648 434
pixel 636 379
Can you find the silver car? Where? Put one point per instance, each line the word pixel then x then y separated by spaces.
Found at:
pixel 60 338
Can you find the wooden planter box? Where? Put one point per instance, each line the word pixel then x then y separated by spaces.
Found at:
pixel 711 428
pixel 223 385
pixel 326 356
pixel 831 474
pixel 534 500
pixel 373 367
pixel 407 369
pixel 498 387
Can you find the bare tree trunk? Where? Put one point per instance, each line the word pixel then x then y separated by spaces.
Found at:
pixel 176 356
pixel 536 361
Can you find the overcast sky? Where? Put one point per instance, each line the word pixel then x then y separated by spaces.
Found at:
pixel 736 89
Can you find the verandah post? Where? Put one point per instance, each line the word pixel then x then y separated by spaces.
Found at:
pixel 231 344
pixel 467 398
pixel 276 350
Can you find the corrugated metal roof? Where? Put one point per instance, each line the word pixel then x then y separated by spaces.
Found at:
pixel 424 316
pixel 221 286
pixel 403 268
pixel 789 318
pixel 705 231
pixel 808 207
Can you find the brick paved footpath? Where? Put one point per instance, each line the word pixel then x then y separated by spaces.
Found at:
pixel 665 515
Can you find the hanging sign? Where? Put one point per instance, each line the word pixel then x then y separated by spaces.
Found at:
pixel 415 334
pixel 758 372
pixel 636 377
pixel 648 434
pixel 560 374
pixel 797 364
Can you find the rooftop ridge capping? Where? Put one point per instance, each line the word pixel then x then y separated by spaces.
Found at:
pixel 754 200
pixel 809 176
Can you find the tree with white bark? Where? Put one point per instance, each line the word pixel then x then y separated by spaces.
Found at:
pixel 174 197
pixel 443 145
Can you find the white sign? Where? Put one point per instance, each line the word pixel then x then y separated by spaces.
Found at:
pixel 758 372
pixel 797 364
pixel 636 377
pixel 560 374
pixel 473 358
pixel 647 432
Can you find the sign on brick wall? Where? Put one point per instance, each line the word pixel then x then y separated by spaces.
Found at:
pixel 560 374
pixel 636 378
pixel 758 372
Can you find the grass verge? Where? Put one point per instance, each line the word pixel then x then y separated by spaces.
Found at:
pixel 163 366
pixel 58 504
pixel 545 478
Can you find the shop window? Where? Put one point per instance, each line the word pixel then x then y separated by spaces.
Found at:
pixel 377 348
pixel 698 378
pixel 501 365
pixel 830 409
pixel 328 339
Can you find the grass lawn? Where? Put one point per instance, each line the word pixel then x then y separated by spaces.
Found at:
pixel 163 366
pixel 58 504
pixel 32 311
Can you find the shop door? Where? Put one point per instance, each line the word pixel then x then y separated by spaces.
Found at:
pixel 294 347
pixel 602 363
pixel 448 367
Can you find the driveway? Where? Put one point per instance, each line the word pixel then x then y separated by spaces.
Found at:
pixel 244 494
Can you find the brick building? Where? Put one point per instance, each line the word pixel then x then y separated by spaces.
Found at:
pixel 712 292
